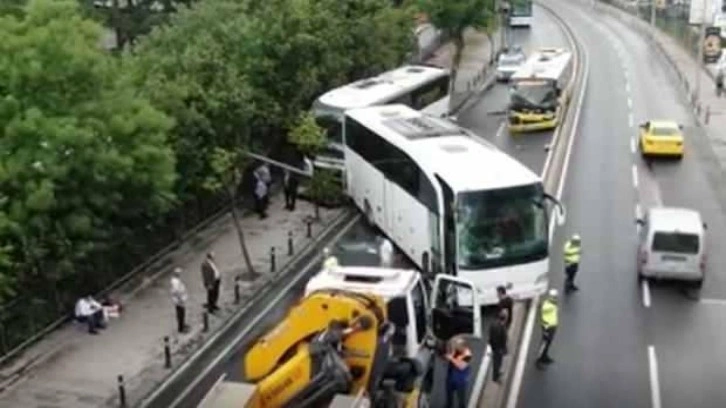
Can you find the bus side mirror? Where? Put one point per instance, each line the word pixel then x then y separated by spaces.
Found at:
pixel 639 221
pixel 559 210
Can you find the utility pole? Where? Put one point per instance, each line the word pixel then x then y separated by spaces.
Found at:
pixel 652 13
pixel 504 12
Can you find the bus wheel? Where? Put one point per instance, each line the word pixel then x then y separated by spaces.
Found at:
pixel 369 214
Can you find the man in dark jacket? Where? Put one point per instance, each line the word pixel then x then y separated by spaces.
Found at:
pixel 498 343
pixel 505 304
pixel 290 186
pixel 211 278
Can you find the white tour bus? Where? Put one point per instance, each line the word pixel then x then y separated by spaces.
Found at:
pixel 449 200
pixel 418 86
pixel 520 14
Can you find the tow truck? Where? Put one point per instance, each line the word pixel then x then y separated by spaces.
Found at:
pixel 393 360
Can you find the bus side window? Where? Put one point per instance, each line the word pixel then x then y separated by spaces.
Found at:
pixel 430 93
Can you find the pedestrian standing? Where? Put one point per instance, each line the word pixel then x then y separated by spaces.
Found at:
pixel 549 317
pixel 498 344
pixel 261 197
pixel 457 376
pixel 179 297
pixel 212 280
pixel 573 249
pixel 290 183
pixel 506 304
pixel 385 253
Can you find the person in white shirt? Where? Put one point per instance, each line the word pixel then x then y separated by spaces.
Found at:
pixel 329 261
pixel 179 297
pixel 89 311
pixel 385 252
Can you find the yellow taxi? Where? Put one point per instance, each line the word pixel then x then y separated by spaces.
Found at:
pixel 661 138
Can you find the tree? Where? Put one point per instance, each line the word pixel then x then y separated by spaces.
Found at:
pixel 454 17
pixel 227 166
pixel 307 135
pixel 195 69
pixel 14 7
pixel 83 155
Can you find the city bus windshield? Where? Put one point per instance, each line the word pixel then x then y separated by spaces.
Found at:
pixel 533 96
pixel 521 8
pixel 501 227
pixel 332 126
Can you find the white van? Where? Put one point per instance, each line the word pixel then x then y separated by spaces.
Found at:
pixel 672 245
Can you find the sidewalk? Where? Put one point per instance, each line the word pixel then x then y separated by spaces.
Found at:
pixel 77 370
pixel 476 72
pixel 710 110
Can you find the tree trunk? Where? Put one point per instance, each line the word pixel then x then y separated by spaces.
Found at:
pixel 240 232
pixel 492 46
pixel 458 39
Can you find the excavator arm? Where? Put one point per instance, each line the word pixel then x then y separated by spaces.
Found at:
pixel 304 360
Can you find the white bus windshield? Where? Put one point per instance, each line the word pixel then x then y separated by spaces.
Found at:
pixel 521 8
pixel 501 227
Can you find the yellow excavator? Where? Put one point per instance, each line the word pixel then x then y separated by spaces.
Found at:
pixel 336 346
pixel 333 342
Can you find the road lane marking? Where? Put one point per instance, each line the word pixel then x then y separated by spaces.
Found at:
pixel 646 293
pixel 637 211
pixel 632 145
pixel 635 176
pixel 654 383
pixel 631 121
pixel 216 383
pixel 522 358
pixel 630 103
pixel 715 302
pixel 627 87
pixel 500 130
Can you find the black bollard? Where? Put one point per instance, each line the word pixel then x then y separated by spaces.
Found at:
pixel 205 321
pixel 289 243
pixel 121 392
pixel 236 290
pixel 310 228
pixel 167 353
pixel 272 259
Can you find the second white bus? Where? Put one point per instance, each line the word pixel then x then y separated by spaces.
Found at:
pixel 451 202
pixel 418 86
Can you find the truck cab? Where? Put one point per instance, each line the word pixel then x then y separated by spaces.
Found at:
pixel 421 317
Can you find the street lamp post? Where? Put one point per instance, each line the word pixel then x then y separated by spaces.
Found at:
pixel 652 13
pixel 701 39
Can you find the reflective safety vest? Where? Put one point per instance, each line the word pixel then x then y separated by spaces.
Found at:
pixel 572 253
pixel 549 314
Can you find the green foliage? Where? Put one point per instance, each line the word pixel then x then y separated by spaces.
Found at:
pixel 226 168
pixel 83 153
pixel 453 17
pixel 324 188
pixel 14 7
pixel 307 135
pixel 195 70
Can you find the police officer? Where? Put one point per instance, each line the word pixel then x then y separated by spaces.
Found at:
pixel 572 262
pixel 549 314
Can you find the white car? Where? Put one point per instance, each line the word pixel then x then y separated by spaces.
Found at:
pixel 509 62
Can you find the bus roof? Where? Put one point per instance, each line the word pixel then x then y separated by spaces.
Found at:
pixel 379 89
pixel 385 282
pixel 465 161
pixel 545 63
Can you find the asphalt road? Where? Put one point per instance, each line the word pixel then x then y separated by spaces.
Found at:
pixel 620 343
pixel 487 117
pixel 358 245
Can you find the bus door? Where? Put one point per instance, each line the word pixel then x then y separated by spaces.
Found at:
pixel 449 233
